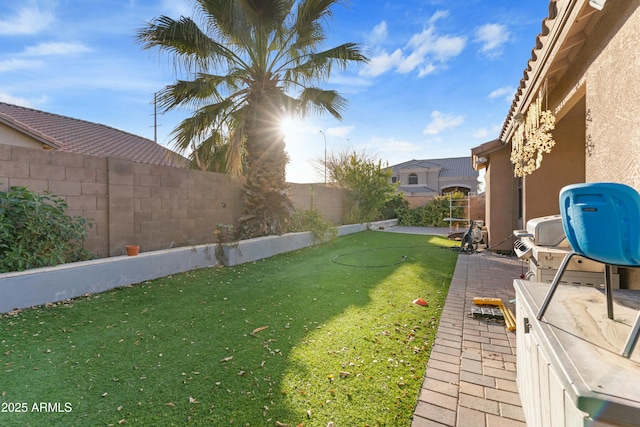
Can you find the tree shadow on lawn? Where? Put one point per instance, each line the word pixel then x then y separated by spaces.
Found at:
pixel 293 339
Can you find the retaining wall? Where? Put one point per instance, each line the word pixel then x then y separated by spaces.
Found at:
pixel 52 284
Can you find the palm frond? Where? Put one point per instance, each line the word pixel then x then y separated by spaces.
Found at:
pixel 318 65
pixel 268 15
pixel 309 13
pixel 208 119
pixel 235 155
pixel 322 100
pixel 185 40
pixel 188 92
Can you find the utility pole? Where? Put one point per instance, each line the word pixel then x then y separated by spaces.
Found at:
pixel 155 117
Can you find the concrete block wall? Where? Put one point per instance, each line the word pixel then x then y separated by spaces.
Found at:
pixel 157 207
pixel 330 201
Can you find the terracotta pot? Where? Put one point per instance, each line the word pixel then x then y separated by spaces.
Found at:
pixel 132 250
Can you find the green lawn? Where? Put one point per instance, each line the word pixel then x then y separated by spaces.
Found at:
pixel 296 339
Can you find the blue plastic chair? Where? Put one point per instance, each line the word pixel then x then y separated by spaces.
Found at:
pixel 602 223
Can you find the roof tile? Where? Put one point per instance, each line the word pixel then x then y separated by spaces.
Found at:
pixel 82 137
pixel 449 167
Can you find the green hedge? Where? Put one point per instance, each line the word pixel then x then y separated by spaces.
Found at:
pixel 35 231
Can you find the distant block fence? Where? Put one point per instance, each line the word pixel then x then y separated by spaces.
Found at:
pixel 157 207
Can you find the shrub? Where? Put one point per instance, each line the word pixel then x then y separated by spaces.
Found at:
pixel 397 203
pixel 433 213
pixel 35 231
pixel 312 221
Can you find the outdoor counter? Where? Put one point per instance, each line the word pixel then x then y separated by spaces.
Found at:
pixel 570 371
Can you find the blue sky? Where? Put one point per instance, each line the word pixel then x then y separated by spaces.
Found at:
pixel 441 80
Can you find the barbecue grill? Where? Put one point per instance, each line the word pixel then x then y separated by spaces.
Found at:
pixel 544 245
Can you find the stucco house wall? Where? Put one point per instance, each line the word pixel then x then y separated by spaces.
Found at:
pixel 9 136
pixel 563 166
pixel 587 63
pixel 433 177
pixel 613 97
pixel 501 197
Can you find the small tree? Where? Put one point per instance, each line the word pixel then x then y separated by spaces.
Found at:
pixel 35 231
pixel 396 204
pixel 369 183
pixel 312 220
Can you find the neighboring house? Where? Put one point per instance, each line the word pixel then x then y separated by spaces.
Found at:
pixel 584 69
pixel 26 127
pixel 435 177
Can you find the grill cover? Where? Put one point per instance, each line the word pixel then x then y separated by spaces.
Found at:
pixel 546 230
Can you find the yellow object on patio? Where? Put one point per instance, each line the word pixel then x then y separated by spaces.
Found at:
pixel 509 318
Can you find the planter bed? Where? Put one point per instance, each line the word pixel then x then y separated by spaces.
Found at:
pixel 53 284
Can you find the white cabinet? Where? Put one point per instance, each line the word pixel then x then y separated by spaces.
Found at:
pixel 570 372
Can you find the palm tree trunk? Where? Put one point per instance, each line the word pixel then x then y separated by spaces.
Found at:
pixel 266 204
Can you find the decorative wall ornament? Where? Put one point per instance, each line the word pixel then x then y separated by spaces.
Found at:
pixel 589 145
pixel 532 138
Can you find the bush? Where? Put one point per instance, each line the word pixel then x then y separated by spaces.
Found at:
pixel 312 221
pixel 397 203
pixel 35 231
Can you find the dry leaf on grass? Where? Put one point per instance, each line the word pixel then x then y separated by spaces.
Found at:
pixel 226 359
pixel 260 329
pixel 192 400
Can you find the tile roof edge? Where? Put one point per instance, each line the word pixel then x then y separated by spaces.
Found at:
pixel 72 118
pixel 24 128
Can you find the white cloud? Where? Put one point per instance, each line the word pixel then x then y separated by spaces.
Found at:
pixel 507 92
pixel 492 37
pixel 382 63
pixel 24 102
pixel 437 15
pixel 486 133
pixel 340 131
pixel 425 51
pixel 378 34
pixel 447 47
pixel 27 19
pixel 396 146
pixel 440 122
pixel 481 133
pixel 18 64
pixel 426 70
pixel 56 48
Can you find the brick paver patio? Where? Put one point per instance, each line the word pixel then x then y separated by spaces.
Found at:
pixel 471 374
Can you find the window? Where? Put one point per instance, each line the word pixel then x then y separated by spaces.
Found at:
pixel 520 199
pixel 413 178
pixel 394 179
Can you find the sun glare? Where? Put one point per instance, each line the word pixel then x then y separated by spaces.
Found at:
pixel 292 128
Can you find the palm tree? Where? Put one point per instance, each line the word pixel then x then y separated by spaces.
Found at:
pixel 250 63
